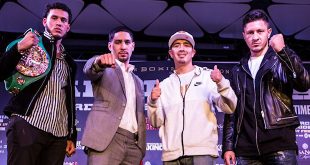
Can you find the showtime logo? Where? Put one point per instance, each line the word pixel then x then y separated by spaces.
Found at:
pixel 301 95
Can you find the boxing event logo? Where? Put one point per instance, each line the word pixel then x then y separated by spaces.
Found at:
pixel 304 152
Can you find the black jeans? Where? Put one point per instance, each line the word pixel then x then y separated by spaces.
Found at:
pixel 286 157
pixel 27 145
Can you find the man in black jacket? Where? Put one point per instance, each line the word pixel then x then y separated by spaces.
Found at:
pixel 42 115
pixel 262 130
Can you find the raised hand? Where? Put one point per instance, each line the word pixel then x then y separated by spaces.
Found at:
pixel 29 40
pixel 277 42
pixel 216 75
pixel 106 60
pixel 156 92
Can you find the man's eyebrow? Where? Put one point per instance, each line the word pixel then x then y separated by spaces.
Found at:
pixel 59 16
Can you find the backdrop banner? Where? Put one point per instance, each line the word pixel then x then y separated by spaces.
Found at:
pixel 149 72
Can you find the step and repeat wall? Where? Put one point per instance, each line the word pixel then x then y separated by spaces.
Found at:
pixel 149 72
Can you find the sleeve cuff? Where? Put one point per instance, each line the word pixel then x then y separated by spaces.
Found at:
pixel 96 67
pixel 151 103
pixel 222 83
pixel 282 52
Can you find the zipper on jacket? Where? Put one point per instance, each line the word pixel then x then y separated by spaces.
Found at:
pixel 241 109
pixel 285 118
pixel 242 106
pixel 261 97
pixel 182 133
pixel 261 100
pixel 34 96
pixel 263 115
pixel 183 110
pixel 256 127
pixel 291 68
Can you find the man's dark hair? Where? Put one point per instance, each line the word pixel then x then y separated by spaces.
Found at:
pixel 57 5
pixel 120 29
pixel 255 15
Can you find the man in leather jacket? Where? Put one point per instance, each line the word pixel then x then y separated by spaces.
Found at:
pixel 262 130
pixel 42 128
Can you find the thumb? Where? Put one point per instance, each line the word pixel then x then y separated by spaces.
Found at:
pixel 157 83
pixel 215 67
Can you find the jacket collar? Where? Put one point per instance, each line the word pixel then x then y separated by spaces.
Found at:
pixel 268 56
pixel 197 70
pixel 267 62
pixel 48 35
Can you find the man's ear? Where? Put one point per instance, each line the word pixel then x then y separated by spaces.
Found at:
pixel 110 46
pixel 243 35
pixel 170 53
pixel 44 22
pixel 269 32
pixel 194 52
pixel 68 28
pixel 133 46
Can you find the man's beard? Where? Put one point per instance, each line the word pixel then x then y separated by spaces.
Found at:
pixel 55 37
pixel 123 59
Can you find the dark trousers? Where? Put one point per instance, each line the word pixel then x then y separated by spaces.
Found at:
pixel 287 157
pixel 27 145
pixel 123 150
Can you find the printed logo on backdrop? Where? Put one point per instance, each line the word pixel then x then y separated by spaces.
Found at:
pixel 303 131
pixel 70 163
pixel 147 163
pixel 303 109
pixel 304 151
pixel 154 146
pixel 220 127
pixel 3 122
pixel 149 127
pixel 301 95
pixel 79 146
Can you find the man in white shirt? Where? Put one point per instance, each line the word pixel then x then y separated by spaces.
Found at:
pixel 115 127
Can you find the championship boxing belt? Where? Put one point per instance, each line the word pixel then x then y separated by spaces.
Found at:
pixel 33 65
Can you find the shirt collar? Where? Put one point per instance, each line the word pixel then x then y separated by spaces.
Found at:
pixel 197 70
pixel 122 66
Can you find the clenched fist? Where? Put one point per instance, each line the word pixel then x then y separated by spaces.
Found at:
pixel 106 60
pixel 277 42
pixel 29 40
